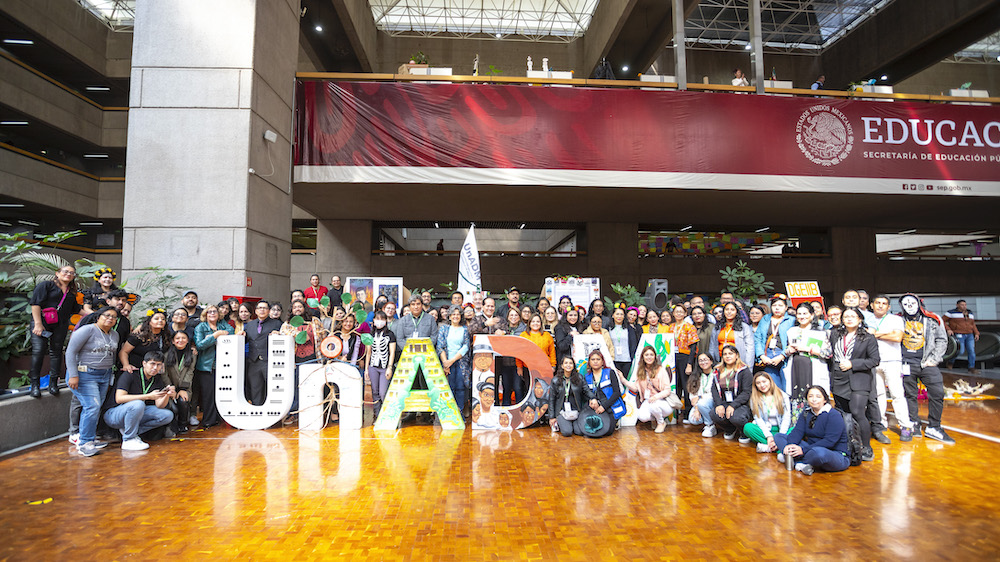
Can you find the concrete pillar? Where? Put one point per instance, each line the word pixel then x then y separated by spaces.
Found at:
pixel 854 260
pixel 613 254
pixel 208 79
pixel 680 48
pixel 343 247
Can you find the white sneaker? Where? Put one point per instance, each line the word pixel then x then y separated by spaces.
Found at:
pixel 744 440
pixel 134 444
pixel 687 421
pixel 763 448
pixel 781 458
pixel 193 420
pixel 709 431
pixel 729 436
pixel 74 438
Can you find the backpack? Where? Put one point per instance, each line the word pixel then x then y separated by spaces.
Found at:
pixel 854 446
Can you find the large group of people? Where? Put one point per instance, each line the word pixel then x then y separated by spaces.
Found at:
pixel 791 380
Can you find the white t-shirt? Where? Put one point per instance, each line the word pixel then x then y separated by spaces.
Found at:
pixel 888 350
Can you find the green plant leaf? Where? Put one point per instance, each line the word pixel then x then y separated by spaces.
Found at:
pixel 301 337
pixel 296 321
pixel 325 301
pixel 312 303
pixel 360 316
pixel 367 339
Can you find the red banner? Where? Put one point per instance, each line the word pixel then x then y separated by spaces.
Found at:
pixel 506 134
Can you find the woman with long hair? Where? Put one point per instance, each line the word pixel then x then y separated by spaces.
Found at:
pixel 807 356
pixel 454 344
pixel 732 331
pixel 542 306
pixel 771 338
pixel 379 359
pixel 597 308
pixel 565 303
pixel 304 352
pixel 206 333
pixel 603 411
pixel 179 364
pixel 640 313
pixel 625 339
pixel 234 312
pixel 819 439
pixel 700 392
pixel 653 387
pixel 53 303
pixel 855 354
pixel 512 324
pixel 541 338
pixel 568 398
pixel 276 312
pixel 567 327
pixel 550 318
pixel 771 413
pixel 705 329
pixel 151 335
pixel 244 314
pixel 104 283
pixel 685 342
pixel 731 394
pixel 653 325
pixel 632 316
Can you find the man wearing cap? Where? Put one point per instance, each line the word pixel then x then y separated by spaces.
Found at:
pixel 513 301
pixel 190 304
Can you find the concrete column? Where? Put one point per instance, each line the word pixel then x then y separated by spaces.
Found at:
pixel 208 79
pixel 613 254
pixel 854 260
pixel 343 247
pixel 756 46
pixel 680 51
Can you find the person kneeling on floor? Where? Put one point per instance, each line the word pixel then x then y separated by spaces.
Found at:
pixel 142 399
pixel 819 439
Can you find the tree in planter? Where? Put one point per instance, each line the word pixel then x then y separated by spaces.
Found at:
pixel 745 283
pixel 627 295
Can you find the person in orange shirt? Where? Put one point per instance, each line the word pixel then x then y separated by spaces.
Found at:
pixel 685 338
pixel 652 325
pixel 541 338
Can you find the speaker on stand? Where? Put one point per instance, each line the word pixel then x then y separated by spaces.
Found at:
pixel 656 295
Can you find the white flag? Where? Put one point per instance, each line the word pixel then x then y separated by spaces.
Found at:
pixel 469 277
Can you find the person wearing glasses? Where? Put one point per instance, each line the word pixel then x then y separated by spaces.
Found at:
pixel 257 331
pixel 90 358
pixel 53 303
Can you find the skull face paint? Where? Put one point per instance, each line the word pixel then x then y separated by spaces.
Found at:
pixel 911 306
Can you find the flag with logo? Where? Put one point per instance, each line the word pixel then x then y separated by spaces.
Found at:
pixel 469 275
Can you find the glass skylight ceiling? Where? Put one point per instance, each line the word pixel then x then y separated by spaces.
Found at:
pixel 986 50
pixel 790 26
pixel 119 15
pixel 525 20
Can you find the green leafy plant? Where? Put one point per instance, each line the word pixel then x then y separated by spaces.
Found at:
pixel 494 71
pixel 158 288
pixel 449 287
pixel 627 294
pixel 419 58
pixel 20 380
pixel 744 282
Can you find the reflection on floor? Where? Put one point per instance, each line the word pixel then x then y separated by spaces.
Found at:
pixel 423 494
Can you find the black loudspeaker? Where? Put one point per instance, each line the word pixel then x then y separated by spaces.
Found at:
pixel 656 295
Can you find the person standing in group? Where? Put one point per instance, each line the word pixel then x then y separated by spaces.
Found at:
pixel 595 328
pixel 597 308
pixel 705 330
pixel 888 331
pixel 206 335
pixel 380 359
pixel 52 303
pixel 179 365
pixel 819 439
pixel 550 319
pixel 569 326
pixel 336 292
pixel 151 335
pixel 685 340
pixel 257 332
pixel 315 290
pixel 771 339
pixel 732 331
pixel 806 357
pixel 305 352
pixel 923 346
pixel 454 344
pixel 104 283
pixel 625 340
pixel 653 325
pixel 178 323
pixel 653 387
pixel 190 303
pixel 541 338
pixel 771 413
pixel 602 413
pixel 513 302
pixel 731 395
pixel 90 358
pixel 487 322
pixel 855 355
pixel 961 323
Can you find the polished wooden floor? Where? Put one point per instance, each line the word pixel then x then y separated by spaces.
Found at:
pixel 423 494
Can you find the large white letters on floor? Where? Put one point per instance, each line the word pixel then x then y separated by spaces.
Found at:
pixel 313 378
pixel 230 381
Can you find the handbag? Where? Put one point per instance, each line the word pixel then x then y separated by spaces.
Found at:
pixel 51 315
pixel 674 401
pixel 568 413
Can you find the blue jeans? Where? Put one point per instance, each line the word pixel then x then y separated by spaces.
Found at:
pixel 90 391
pixel 967 344
pixel 777 372
pixel 705 409
pixel 135 417
pixel 457 382
pixel 820 458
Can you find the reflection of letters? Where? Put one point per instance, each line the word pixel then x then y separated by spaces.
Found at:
pixel 229 491
pixel 230 381
pixel 315 474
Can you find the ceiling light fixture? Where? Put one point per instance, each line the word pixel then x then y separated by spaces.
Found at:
pixel 98 89
pixel 748 47
pixel 95 155
pixel 319 28
pixel 765 229
pixel 436 225
pixel 625 68
pixel 13 123
pixel 29 223
pixel 522 226
pixel 19 41
pixel 13 205
pixel 976 233
pixel 498 36
pixel 4 223
pixel 910 231
pixel 687 228
pixel 95 223
pixel 885 77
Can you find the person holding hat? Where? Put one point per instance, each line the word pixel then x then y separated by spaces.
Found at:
pixel 513 301
pixel 602 412
pixel 568 398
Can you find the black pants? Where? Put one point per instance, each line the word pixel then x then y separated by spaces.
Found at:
pixel 741 416
pixel 205 381
pixel 53 346
pixel 181 409
pixel 511 384
pixel 256 382
pixel 681 361
pixel 856 405
pixel 931 377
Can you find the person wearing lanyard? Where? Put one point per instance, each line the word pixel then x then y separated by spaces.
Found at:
pixel 143 401
pixel 888 331
pixel 685 338
pixel 771 339
pixel 90 358
pixel 570 394
pixel 606 407
pixel 625 339
pixel 807 356
pixel 732 331
pixel 731 394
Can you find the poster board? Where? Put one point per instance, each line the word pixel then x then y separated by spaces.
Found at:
pixel 581 290
pixel 487 414
pixel 804 291
pixel 391 287
pixel 664 346
pixel 583 344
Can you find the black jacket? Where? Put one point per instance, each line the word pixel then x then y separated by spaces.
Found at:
pixel 257 343
pixel 579 394
pixel 864 358
pixel 564 341
pixel 744 386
